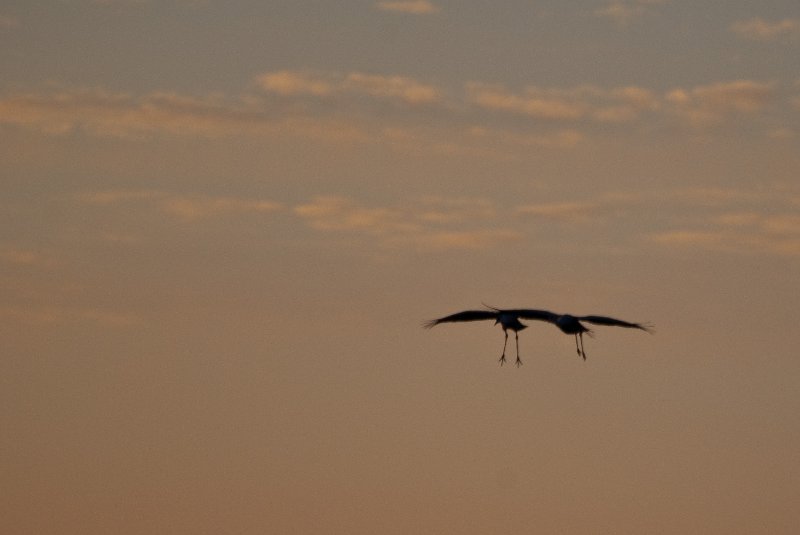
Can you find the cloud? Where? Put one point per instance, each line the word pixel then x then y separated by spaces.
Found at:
pixel 758 29
pixel 296 83
pixel 618 105
pixel 392 87
pixel 121 114
pixel 535 102
pixel 624 12
pixel 727 219
pixel 457 239
pixel 477 141
pixel 709 104
pixel 743 241
pixel 738 221
pixel 713 196
pixel 730 220
pixel 190 209
pixel 343 214
pixel 561 211
pixel 414 7
pixel 425 225
pixel 398 88
pixel 112 2
pixel 346 109
pixel 119 196
pixel 441 210
pixel 182 207
pixel 688 237
pixel 106 114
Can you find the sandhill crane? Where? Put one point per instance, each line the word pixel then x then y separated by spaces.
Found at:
pixel 509 319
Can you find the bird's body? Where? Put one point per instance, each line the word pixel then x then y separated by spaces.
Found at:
pixel 509 320
pixel 570 325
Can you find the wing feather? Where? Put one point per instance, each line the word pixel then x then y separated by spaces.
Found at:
pixel 467 315
pixel 532 314
pixel 603 320
pixel 526 313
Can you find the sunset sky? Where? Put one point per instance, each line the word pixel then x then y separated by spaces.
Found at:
pixel 222 225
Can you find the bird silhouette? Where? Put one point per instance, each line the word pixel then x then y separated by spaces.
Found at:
pixel 509 319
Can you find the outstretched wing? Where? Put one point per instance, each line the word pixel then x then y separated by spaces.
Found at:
pixel 531 314
pixel 602 320
pixel 526 313
pixel 467 315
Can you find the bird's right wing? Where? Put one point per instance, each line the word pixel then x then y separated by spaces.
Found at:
pixel 603 320
pixel 467 315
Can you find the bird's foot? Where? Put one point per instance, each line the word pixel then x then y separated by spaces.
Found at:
pixel 518 362
pixel 502 359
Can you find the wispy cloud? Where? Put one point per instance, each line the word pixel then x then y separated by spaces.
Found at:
pixel 746 241
pixel 356 108
pixel 719 219
pixel 429 224
pixel 392 87
pixel 447 210
pixel 617 105
pixel 298 83
pixel 111 2
pixel 573 211
pixel 758 29
pixel 190 209
pixel 738 221
pixel 181 207
pixel 123 115
pixel 728 219
pixel 535 102
pixel 413 7
pixel 343 214
pixel 119 196
pixel 623 12
pixel 709 104
pixel 477 239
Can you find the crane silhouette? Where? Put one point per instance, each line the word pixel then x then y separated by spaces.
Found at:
pixel 509 319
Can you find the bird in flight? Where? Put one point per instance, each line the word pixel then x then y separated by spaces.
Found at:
pixel 509 319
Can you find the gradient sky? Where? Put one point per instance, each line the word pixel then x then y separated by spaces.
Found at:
pixel 223 224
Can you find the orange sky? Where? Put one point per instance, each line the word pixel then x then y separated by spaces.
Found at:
pixel 223 225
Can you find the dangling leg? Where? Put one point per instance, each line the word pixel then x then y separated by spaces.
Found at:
pixel 583 351
pixel 519 360
pixel 503 356
pixel 577 347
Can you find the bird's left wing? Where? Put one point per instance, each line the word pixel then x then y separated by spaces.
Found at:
pixel 603 320
pixel 467 315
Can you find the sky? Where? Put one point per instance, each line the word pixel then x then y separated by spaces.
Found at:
pixel 224 223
